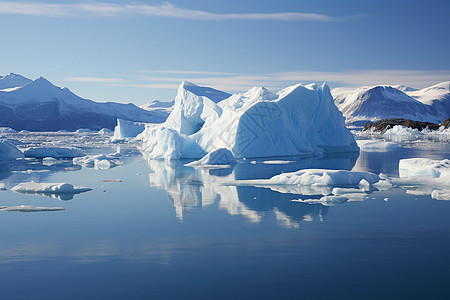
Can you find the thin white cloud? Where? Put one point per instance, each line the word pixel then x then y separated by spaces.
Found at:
pixel 277 80
pixel 94 79
pixel 104 9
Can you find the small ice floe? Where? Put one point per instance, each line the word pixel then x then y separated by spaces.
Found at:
pixel 9 152
pixel 2 186
pixel 111 180
pixel 277 162
pixel 62 191
pixel 99 162
pixel 220 157
pixel 29 208
pixel 431 177
pixel 55 152
pixel 317 177
pixel 326 200
pixel 377 146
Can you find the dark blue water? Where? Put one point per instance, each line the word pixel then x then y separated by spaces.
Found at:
pixel 172 232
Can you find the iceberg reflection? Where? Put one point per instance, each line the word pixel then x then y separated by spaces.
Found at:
pixel 193 188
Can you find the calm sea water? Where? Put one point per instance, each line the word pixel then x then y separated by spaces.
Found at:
pixel 167 231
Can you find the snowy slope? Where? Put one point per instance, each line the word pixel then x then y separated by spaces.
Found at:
pixel 437 96
pixel 371 104
pixel 298 120
pixel 41 106
pixel 13 80
pixel 160 107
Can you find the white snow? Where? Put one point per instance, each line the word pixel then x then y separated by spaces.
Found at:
pixel 48 188
pixel 55 152
pixel 105 131
pixel 99 161
pixel 8 151
pixel 377 146
pixel 13 80
pixel 30 208
pixel 299 120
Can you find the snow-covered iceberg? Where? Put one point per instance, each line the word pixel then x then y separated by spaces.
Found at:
pixel 377 146
pixel 55 152
pixel 317 177
pixel 63 191
pixel 298 120
pixel 424 176
pixel 127 129
pixel 8 151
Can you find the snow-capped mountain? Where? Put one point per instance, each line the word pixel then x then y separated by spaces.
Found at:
pixel 13 81
pixel 41 106
pixel 161 107
pixel 371 104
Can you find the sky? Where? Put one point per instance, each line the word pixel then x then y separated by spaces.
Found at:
pixel 140 51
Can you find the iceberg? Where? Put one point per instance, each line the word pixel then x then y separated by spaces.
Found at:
pixel 298 120
pixel 424 167
pixel 55 152
pixel 127 129
pixel 62 191
pixel 377 146
pixel 318 177
pixel 30 208
pixel 8 151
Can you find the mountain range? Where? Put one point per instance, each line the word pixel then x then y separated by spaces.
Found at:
pixel 38 105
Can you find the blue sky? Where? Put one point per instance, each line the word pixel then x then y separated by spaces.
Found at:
pixel 138 51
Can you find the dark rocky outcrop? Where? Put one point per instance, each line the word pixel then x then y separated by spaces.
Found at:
pixel 385 124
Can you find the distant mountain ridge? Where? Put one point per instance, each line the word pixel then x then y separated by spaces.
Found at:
pixel 41 106
pixel 372 104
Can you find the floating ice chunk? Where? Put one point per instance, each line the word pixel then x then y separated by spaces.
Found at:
pixel 9 152
pixel 30 208
pixel 399 133
pixel 342 191
pixel 103 164
pixel 440 194
pixel 100 161
pixel 377 146
pixel 2 186
pixel 424 167
pixel 55 152
pixel 382 185
pixel 326 200
pixel 321 177
pixel 35 187
pixel 364 184
pixel 127 129
pixel 277 162
pixel 221 156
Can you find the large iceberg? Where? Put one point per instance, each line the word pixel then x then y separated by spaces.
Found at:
pixel 298 120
